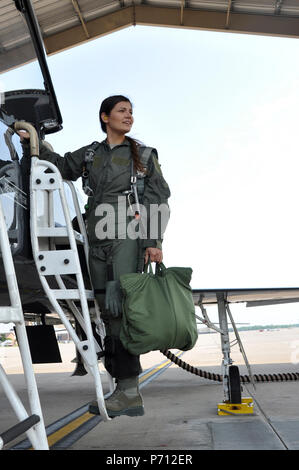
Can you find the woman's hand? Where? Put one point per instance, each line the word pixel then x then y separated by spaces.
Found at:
pixel 155 255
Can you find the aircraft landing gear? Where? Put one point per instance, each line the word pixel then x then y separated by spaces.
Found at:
pixel 233 402
pixel 234 385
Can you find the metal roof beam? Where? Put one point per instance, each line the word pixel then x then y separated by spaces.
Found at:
pixel 278 4
pixel 163 16
pixel 97 27
pixel 78 11
pixel 183 5
pixel 144 14
pixel 229 10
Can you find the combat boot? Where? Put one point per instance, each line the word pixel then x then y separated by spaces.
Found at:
pixel 125 400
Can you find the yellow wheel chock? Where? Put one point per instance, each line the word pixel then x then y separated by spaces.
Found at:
pixel 244 408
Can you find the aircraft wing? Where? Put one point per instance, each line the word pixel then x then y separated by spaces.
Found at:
pixel 252 297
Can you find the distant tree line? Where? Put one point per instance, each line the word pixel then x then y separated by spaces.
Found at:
pixel 265 327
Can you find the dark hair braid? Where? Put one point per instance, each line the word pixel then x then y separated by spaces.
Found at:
pixel 135 154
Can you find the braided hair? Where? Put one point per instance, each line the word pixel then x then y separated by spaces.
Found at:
pixel 106 107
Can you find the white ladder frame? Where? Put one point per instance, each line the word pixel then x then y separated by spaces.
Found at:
pixel 51 262
pixel 14 314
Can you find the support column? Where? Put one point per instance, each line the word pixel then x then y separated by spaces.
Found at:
pixel 225 345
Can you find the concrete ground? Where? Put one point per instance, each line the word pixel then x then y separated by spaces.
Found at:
pixel 181 408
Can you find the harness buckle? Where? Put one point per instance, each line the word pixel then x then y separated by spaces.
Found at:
pixel 89 154
pixel 88 191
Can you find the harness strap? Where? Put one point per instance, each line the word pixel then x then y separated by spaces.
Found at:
pixel 144 153
pixel 88 161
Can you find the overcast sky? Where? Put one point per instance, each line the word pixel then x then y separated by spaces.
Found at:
pixel 222 111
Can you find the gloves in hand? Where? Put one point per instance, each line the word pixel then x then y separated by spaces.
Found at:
pixel 113 299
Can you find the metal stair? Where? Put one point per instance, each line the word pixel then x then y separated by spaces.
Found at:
pixel 32 424
pixel 60 263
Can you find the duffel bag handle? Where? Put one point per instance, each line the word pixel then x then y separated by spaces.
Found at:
pixel 148 267
pixel 159 269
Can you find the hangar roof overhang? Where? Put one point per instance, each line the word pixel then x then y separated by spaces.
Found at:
pixel 68 23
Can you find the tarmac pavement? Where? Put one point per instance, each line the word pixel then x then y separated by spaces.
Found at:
pixel 180 407
pixel 181 414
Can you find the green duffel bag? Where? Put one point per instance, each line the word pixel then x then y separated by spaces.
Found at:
pixel 158 310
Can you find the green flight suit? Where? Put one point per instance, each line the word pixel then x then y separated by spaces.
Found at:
pixel 110 257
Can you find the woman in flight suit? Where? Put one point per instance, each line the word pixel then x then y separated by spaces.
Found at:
pixel 114 252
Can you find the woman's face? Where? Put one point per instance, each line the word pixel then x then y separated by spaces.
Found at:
pixel 120 119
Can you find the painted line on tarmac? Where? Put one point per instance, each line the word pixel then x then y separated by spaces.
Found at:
pixel 147 376
pixel 71 436
pixel 67 430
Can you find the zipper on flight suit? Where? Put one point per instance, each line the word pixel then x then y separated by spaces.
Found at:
pixel 104 175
